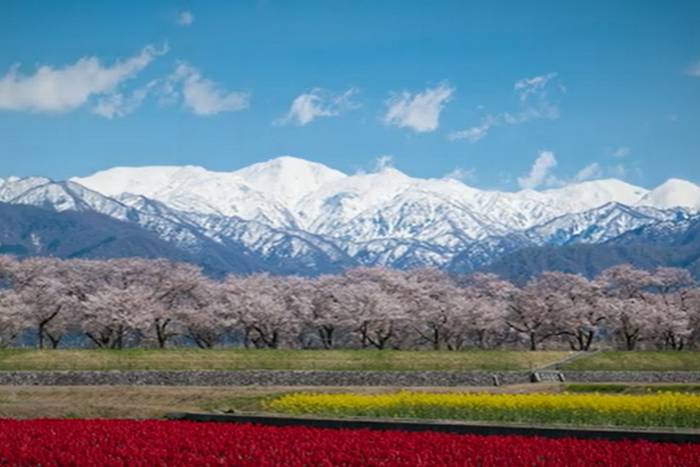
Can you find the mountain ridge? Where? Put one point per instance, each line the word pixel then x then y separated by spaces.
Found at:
pixel 295 216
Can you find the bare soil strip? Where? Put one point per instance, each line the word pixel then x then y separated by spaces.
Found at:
pixel 481 428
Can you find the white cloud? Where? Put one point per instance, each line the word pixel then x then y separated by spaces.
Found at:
pixel 63 89
pixel 383 162
pixel 202 96
pixel 463 175
pixel 185 18
pixel 542 110
pixel 475 133
pixel 420 112
pixel 624 172
pixel 539 173
pixel 119 105
pixel 694 70
pixel 589 172
pixel 534 105
pixel 318 103
pixel 620 152
pixel 528 86
pixel 618 171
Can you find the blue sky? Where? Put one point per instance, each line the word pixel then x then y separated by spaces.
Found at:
pixel 477 90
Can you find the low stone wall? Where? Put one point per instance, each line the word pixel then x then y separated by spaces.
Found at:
pixel 325 378
pixel 262 378
pixel 632 376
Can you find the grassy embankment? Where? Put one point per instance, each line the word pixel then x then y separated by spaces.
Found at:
pixel 152 401
pixel 637 361
pixel 237 359
pixel 386 360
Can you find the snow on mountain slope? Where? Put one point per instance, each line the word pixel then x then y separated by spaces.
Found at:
pixel 191 189
pixel 518 210
pixel 389 204
pixel 61 196
pixel 218 241
pixel 146 181
pixel 227 196
pixel 70 196
pixel 336 203
pixel 359 213
pixel 390 218
pixel 671 232
pixel 595 226
pixel 594 193
pixel 429 216
pixel 15 186
pixel 292 251
pixel 673 193
pixel 284 250
pixel 264 192
pixel 296 212
pixel 288 192
pixel 399 253
pixel 527 208
pixel 485 251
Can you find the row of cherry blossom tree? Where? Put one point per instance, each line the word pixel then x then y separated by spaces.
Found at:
pixel 154 303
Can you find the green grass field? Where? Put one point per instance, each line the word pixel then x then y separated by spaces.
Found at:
pixel 637 361
pixel 241 359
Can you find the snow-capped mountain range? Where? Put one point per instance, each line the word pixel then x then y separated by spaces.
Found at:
pixel 297 216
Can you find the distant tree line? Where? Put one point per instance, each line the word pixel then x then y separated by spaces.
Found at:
pixel 155 303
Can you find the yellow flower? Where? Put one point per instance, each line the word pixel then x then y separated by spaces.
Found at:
pixel 661 409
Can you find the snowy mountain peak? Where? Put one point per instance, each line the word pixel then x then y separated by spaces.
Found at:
pixel 289 164
pixel 598 192
pixel 390 171
pixel 287 178
pixel 673 193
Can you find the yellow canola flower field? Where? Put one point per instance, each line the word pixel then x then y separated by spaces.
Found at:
pixel 659 409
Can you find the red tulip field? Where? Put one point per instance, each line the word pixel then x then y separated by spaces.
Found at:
pixel 157 442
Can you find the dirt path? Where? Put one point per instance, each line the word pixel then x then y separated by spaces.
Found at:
pixel 156 401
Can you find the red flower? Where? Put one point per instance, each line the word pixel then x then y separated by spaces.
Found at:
pixel 156 442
